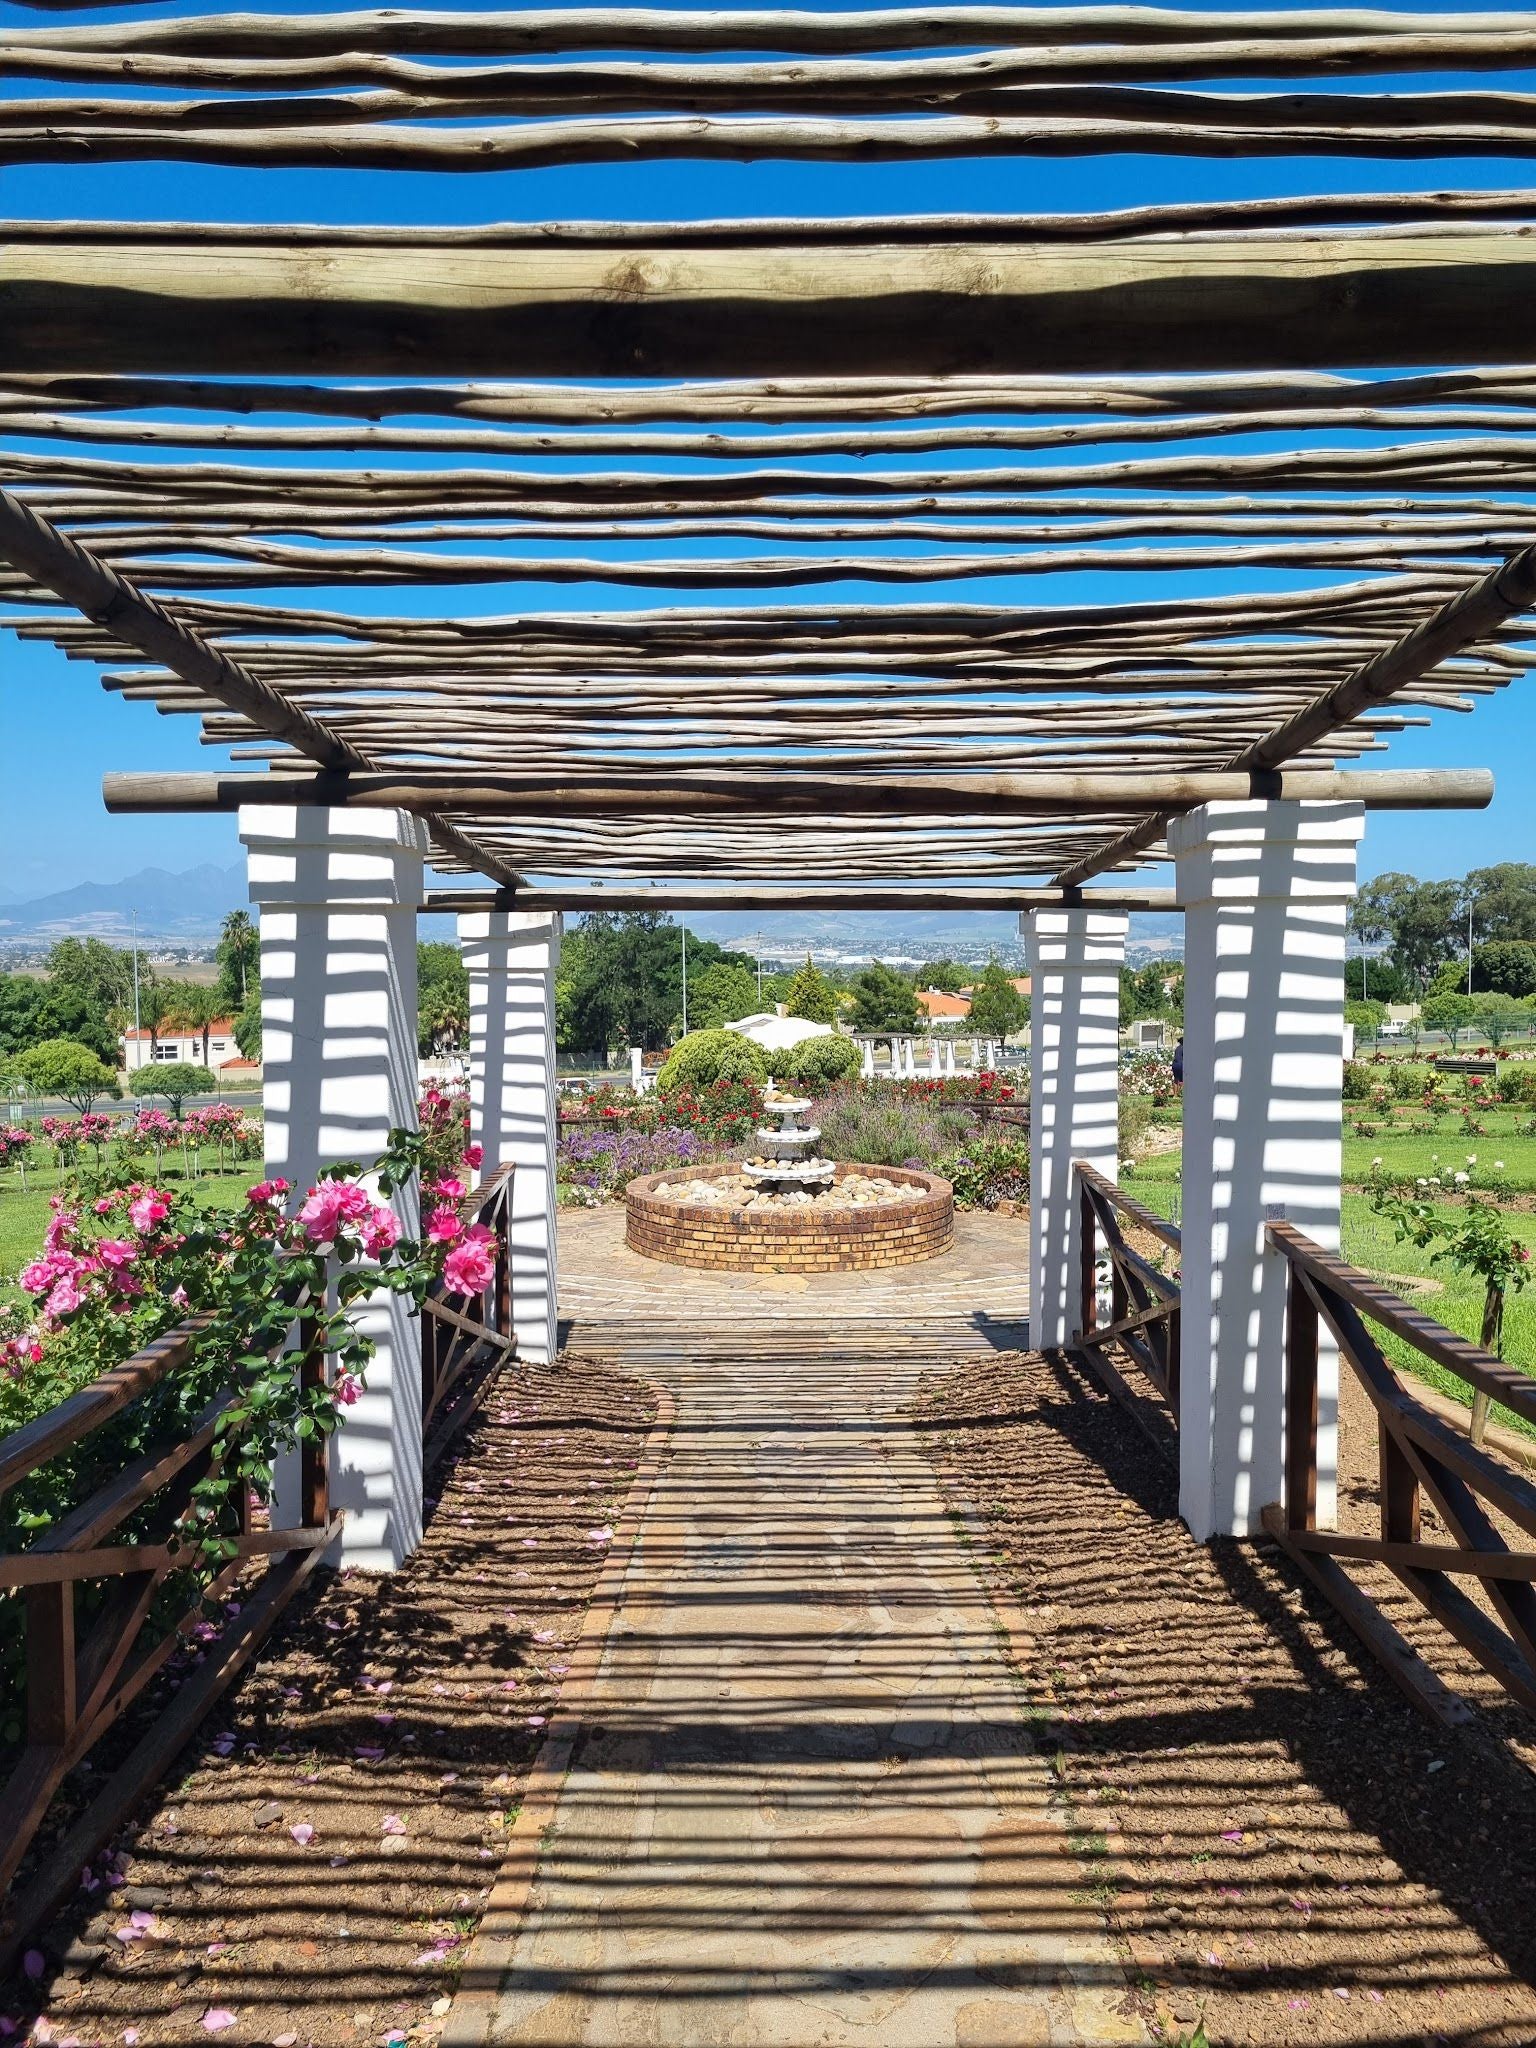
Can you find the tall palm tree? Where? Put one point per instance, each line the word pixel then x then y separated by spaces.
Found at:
pixel 239 954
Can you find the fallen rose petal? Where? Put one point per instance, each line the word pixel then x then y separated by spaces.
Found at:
pixel 303 1833
pixel 393 1825
pixel 284 2040
pixel 33 1964
pixel 216 2019
pixel 130 2037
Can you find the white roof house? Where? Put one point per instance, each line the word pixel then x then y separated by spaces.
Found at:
pixel 775 1033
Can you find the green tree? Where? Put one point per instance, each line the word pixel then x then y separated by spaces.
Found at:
pixel 1424 918
pixel 883 1000
pixel 948 975
pixel 725 992
pixel 1499 1016
pixel 1502 901
pixel 1367 1018
pixel 1378 979
pixel 997 1007
pixel 32 1010
pixel 442 997
pixel 1504 967
pixel 102 973
pixel 239 956
pixel 64 1068
pixel 248 1023
pixel 175 1080
pixel 1449 1013
pixel 811 996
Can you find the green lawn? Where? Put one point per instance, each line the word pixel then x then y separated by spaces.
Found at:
pixel 1369 1242
pixel 1404 1154
pixel 24 1216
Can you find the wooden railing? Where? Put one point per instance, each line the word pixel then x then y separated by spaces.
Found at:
pixel 1420 1454
pixel 103 1616
pixel 1144 1302
pixel 460 1345
pixel 107 1596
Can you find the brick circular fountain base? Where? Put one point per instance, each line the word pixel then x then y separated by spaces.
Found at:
pixel 816 1239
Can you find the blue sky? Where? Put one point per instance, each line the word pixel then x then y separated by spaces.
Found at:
pixel 59 732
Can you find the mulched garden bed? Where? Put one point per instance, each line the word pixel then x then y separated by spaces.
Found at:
pixel 1291 1851
pixel 315 1872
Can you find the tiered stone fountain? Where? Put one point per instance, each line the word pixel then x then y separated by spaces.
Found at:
pixel 787 1209
pixel 787 1163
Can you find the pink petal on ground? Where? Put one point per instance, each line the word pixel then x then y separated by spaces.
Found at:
pixel 284 2040
pixel 393 1824
pixel 130 2037
pixel 216 2019
pixel 33 1964
pixel 599 1535
pixel 1231 1834
pixel 537 1720
pixel 303 1833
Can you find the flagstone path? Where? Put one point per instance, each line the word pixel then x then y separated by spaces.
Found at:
pixel 804 1808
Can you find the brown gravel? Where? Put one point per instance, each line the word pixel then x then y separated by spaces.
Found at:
pixel 396 1719
pixel 1292 1852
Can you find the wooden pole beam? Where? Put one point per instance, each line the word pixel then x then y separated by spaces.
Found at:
pixel 670 896
pixel 1045 795
pixel 109 600
pixel 1468 617
pixel 571 310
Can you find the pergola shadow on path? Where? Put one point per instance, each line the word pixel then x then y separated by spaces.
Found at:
pixel 225 445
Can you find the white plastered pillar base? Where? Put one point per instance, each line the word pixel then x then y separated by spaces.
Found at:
pixel 1075 957
pixel 511 957
pixel 1266 888
pixel 337 892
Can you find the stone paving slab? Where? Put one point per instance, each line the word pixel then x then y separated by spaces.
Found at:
pixel 600 1277
pixel 804 1808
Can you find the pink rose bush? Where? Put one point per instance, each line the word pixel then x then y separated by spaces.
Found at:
pixel 443 1118
pixel 125 1267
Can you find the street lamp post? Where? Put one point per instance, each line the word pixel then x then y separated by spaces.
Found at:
pixel 685 978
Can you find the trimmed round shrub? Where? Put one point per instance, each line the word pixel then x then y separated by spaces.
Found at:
pixel 818 1062
pixel 705 1057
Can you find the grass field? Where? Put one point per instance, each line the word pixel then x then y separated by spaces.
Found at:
pixel 1369 1242
pixel 24 1216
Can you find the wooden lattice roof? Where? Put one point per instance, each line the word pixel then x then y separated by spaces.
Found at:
pixel 770 458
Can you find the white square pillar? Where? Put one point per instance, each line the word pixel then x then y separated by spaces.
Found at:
pixel 338 892
pixel 511 957
pixel 1075 957
pixel 1266 888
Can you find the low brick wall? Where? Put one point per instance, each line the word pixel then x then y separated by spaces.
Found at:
pixel 791 1240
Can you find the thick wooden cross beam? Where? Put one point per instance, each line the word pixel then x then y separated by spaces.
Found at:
pixel 570 309
pixel 670 896
pixel 1050 795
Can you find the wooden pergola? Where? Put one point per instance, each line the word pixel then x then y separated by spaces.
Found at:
pixel 795 414
pixel 801 478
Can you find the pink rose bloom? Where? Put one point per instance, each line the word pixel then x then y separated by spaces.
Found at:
pixel 38 1277
pixel 321 1214
pixel 451 1190
pixel 352 1201
pixel 104 1206
pixel 380 1231
pixel 473 1155
pixel 444 1227
pixel 268 1193
pixel 348 1388
pixel 65 1298
pixel 469 1269
pixel 178 1297
pixel 117 1252
pixel 148 1210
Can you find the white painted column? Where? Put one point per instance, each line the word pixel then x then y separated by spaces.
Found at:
pixel 866 1059
pixel 949 1056
pixel 1075 957
pixel 337 892
pixel 511 957
pixel 1266 888
pixel 935 1060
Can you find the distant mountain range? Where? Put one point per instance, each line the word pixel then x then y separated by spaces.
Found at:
pixel 189 906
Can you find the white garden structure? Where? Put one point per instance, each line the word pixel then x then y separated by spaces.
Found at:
pixel 840 748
